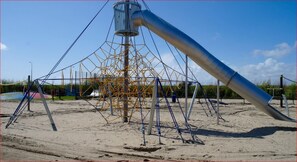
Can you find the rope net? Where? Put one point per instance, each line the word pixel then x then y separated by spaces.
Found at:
pixel 99 78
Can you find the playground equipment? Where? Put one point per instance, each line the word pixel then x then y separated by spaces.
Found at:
pixel 208 62
pixel 129 77
pixel 124 73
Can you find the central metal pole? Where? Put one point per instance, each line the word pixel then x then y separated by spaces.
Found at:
pixel 126 65
pixel 126 81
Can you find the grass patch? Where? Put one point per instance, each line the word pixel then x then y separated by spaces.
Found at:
pixel 65 98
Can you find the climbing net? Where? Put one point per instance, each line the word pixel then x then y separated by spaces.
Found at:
pixel 102 72
pixel 99 79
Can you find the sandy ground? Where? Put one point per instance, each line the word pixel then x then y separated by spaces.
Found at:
pixel 84 135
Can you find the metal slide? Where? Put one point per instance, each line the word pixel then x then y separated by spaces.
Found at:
pixel 208 62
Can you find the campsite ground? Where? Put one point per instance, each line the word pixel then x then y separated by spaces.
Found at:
pixel 83 134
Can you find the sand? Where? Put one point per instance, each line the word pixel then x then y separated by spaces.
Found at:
pixel 83 134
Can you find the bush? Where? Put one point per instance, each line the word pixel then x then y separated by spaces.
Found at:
pixel 209 90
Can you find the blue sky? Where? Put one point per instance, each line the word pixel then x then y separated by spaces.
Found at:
pixel 255 38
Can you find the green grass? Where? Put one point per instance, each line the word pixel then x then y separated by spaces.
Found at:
pixel 65 98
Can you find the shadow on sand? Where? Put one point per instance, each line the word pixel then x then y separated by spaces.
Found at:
pixel 254 133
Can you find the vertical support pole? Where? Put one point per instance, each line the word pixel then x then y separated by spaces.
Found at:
pixel 75 86
pixel 126 66
pixel 158 112
pixel 192 101
pixel 80 77
pixel 218 102
pixel 287 106
pixel 28 94
pixel 53 91
pixel 153 108
pixel 94 81
pixel 71 79
pixel 46 106
pixel 62 79
pixel 186 89
pixel 281 90
pixel 60 93
pixel 86 80
pixel 110 98
pixel 62 87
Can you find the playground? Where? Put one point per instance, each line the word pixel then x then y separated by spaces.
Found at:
pixel 123 102
pixel 246 134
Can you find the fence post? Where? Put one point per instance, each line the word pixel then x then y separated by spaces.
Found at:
pixel 281 90
pixel 218 102
pixel 28 94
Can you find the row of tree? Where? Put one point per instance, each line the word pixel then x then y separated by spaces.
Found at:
pixel 179 90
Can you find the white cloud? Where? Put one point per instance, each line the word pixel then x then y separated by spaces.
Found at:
pixel 3 46
pixel 168 59
pixel 202 76
pixel 270 69
pixel 279 50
